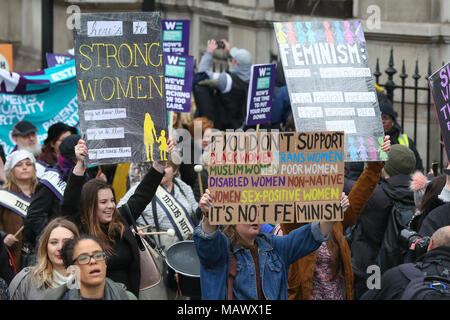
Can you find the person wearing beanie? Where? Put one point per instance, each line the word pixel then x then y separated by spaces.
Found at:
pixel 24 136
pixel 232 86
pixel 56 134
pixel 393 129
pixel 369 231
pixel 15 197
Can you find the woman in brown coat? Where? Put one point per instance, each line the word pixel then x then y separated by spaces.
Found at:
pixel 326 274
pixel 15 197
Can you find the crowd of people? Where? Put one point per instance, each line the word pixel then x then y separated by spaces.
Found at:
pixel 67 234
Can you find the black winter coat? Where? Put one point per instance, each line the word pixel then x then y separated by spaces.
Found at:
pixel 394 282
pixel 368 233
pixel 44 206
pixel 393 136
pixel 138 201
pixel 437 218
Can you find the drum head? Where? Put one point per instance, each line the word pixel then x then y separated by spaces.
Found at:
pixel 182 257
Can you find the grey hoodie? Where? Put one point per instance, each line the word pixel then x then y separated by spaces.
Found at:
pixel 224 80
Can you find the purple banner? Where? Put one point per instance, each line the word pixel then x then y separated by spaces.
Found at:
pixel 176 36
pixel 178 76
pixel 440 88
pixel 259 101
pixel 55 59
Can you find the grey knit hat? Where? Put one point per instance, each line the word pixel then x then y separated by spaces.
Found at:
pixel 401 161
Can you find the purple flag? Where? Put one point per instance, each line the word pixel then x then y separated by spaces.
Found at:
pixel 176 36
pixel 259 100
pixel 178 76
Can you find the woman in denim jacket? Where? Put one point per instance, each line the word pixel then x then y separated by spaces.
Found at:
pixel 272 254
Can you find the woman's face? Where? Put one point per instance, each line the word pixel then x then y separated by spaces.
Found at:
pixel 169 174
pixel 24 170
pixel 58 236
pixel 55 145
pixel 248 231
pixel 94 272
pixel 105 205
pixel 387 121
pixel 206 138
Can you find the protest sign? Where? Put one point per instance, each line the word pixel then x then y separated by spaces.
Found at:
pixel 275 177
pixel 327 71
pixel 120 83
pixel 178 77
pixel 6 56
pixel 56 59
pixel 259 99
pixel 440 87
pixel 176 36
pixel 43 98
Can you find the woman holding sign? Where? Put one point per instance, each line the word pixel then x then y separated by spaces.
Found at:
pixel 93 206
pixel 326 273
pixel 15 198
pixel 228 258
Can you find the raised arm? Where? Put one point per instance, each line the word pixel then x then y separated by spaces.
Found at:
pixel 146 189
pixel 70 205
pixel 363 188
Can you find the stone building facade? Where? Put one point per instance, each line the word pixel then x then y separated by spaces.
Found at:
pixel 416 30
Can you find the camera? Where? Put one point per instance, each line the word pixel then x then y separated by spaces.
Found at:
pixel 408 237
pixel 220 44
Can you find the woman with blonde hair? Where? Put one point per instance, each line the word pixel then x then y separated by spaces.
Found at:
pixel 32 283
pixel 15 197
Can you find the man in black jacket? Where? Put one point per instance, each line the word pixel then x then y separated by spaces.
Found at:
pixel 368 233
pixel 229 110
pixel 436 262
pixel 393 129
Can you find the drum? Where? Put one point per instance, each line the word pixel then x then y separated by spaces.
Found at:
pixel 184 268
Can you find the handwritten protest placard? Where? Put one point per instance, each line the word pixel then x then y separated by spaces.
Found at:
pixel 327 71
pixel 440 87
pixel 276 177
pixel 259 99
pixel 120 86
pixel 178 77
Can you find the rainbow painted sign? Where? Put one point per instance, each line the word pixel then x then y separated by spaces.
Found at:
pixel 331 88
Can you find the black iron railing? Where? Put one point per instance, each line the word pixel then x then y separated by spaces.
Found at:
pixel 392 89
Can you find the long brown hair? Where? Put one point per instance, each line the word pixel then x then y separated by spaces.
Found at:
pixel 89 218
pixel 41 273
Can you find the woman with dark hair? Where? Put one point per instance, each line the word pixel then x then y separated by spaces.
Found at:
pixel 56 134
pixel 430 200
pixel 87 254
pixel 93 208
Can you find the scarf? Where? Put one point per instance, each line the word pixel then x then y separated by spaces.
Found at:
pixel 65 165
pixel 58 279
pixel 445 195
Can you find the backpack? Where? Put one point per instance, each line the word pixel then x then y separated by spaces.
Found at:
pixel 391 253
pixel 422 286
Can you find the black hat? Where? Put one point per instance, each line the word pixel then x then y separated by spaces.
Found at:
pixel 56 130
pixel 23 128
pixel 67 146
pixel 386 105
